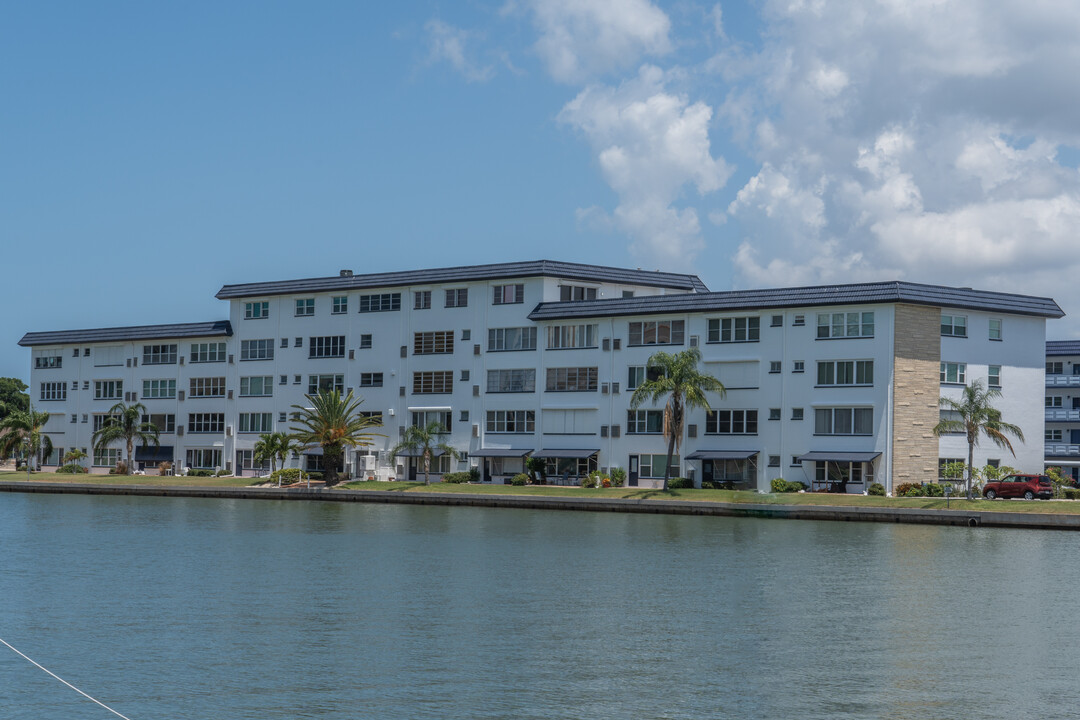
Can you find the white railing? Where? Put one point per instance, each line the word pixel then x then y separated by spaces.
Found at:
pixel 1061 450
pixel 1062 381
pixel 1062 415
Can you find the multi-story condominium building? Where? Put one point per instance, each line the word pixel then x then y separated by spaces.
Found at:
pixel 835 386
pixel 1063 406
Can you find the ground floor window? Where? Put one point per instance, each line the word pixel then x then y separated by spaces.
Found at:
pixel 569 467
pixel 951 469
pixel 203 458
pixel 55 457
pixel 505 465
pixel 652 466
pixel 245 460
pixel 107 457
pixel 314 463
pixel 836 476
pixel 734 471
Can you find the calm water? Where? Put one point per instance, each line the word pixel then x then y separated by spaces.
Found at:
pixel 191 608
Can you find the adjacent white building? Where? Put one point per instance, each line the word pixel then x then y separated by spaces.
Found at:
pixel 833 385
pixel 1062 406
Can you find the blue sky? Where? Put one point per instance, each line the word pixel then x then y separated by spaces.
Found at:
pixel 150 153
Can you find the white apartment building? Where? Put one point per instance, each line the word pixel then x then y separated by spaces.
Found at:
pixel 1062 406
pixel 834 386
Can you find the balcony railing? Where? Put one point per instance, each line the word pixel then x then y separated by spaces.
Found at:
pixel 1063 381
pixel 1062 450
pixel 1062 415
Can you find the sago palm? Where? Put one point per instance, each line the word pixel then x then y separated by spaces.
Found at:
pixel 677 378
pixel 124 423
pixel 424 441
pixel 975 417
pixel 333 422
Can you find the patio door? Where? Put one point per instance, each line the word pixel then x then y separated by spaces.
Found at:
pixel 632 475
pixel 707 470
pixel 412 469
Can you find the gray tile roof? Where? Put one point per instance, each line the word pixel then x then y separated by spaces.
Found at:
pixel 1063 347
pixel 215 328
pixel 856 294
pixel 550 268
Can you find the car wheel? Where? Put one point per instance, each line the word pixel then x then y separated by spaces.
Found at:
pixel 990 494
pixel 1029 495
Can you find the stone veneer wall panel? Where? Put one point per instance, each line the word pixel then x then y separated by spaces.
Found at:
pixel 916 390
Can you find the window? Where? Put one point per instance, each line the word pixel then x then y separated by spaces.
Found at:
pixel 731 422
pixel 165 388
pixel 297 342
pixel 1053 435
pixel 774 366
pixel 576 293
pixel 796 413
pixel 993 376
pixel 511 381
pixel 638 374
pixel 777 321
pixel 159 354
pixel 365 341
pixel 562 337
pixel 995 328
pixel 100 419
pixel 329 346
pixel 325 383
pixel 738 329
pixel 845 372
pixel 371 414
pixel 439 342
pixel 951 416
pixel 1053 402
pixel 845 325
pixel 284 380
pixel 954 373
pixel 203 459
pixel 305 307
pixel 511 338
pixel 254 422
pixel 641 422
pixel 54 390
pixel 108 389
pixel 511 421
pixel 164 423
pixel 572 379
pixel 774 413
pixel 843 421
pixel 371 379
pixel 1054 368
pixel 109 356
pixel 774 461
pixel 380 302
pixel 258 386
pixel 433 382
pixel 256 310
pixel 423 418
pixel 107 457
pixel 257 349
pixel 206 422
pixel 652 466
pixel 422 300
pixel 657 332
pixel 466 334
pixel 339 305
pixel 207 352
pixel 43 362
pixel 954 325
pixel 464 376
pixel 798 366
pixel 207 387
pixel 508 294
pixel 457 297
pixel 799 320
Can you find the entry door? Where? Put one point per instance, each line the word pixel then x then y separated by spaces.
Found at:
pixel 1074 436
pixel 707 470
pixel 412 468
pixel 633 474
pixel 487 470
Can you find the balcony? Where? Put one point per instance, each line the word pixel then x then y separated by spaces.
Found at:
pixel 1062 415
pixel 1057 450
pixel 1063 381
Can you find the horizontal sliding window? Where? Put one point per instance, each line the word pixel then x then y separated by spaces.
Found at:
pixel 108 389
pixel 508 294
pixel 433 382
pixel 734 329
pixel 203 458
pixel 371 379
pixel 439 342
pixel 561 337
pixel 207 352
pixel 572 379
pixel 329 346
pixel 159 354
pixel 165 388
pixel 54 390
pixel 657 332
pixel 423 418
pixel 457 297
pixel 44 362
pixel 953 373
pixel 380 302
pixel 258 386
pixel 644 421
pixel 207 387
pixel 511 421
pixel 256 310
pixel 731 422
pixel 108 356
pixel 846 372
pixel 511 381
pixel 325 383
pixel 652 466
pixel 206 422
pixel 954 325
pixel 255 422
pixel 576 293
pixel 107 457
pixel 845 325
pixel 165 423
pixel 844 421
pixel 511 338
pixel 637 374
pixel 305 307
pixel 339 305
pixel 257 349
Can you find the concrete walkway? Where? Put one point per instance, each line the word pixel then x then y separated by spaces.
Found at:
pixel 1048 521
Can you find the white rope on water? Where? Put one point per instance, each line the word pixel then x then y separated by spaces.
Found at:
pixel 62 680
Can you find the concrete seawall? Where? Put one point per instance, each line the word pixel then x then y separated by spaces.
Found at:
pixel 1048 521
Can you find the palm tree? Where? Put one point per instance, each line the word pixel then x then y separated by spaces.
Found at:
pixel 73 456
pixel 677 378
pixel 975 416
pixel 332 423
pixel 124 422
pixel 424 441
pixel 273 447
pixel 23 429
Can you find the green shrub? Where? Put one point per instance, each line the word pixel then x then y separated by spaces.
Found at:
pixel 457 478
pixel 902 489
pixel 618 477
pixel 223 473
pixel 519 480
pixel 73 468
pixel 780 485
pixel 876 489
pixel 196 472
pixel 680 483
pixel 474 474
pixel 588 481
pixel 287 475
pixel 1072 493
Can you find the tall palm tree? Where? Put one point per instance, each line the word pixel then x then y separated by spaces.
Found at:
pixel 273 447
pixel 333 423
pixel 425 441
pixel 677 378
pixel 975 416
pixel 125 423
pixel 24 430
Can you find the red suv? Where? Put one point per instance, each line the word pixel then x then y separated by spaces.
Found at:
pixel 1028 487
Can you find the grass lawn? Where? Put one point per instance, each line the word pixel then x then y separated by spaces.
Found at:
pixel 88 479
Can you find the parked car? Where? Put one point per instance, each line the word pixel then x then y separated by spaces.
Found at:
pixel 1028 487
